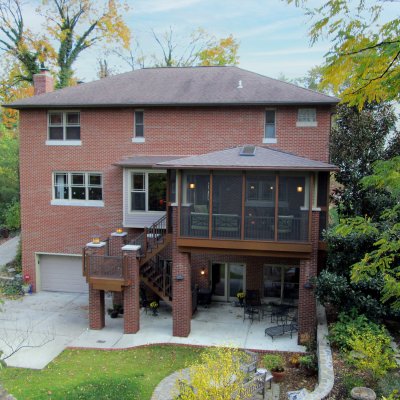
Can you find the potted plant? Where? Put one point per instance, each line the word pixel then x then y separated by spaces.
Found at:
pixel 276 364
pixel 26 286
pixel 154 307
pixel 240 296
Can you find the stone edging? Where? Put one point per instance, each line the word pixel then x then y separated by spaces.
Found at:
pixel 326 375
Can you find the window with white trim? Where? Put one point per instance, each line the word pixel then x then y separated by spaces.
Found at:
pixel 269 124
pixel 148 191
pixel 64 125
pixel 78 186
pixel 307 117
pixel 139 124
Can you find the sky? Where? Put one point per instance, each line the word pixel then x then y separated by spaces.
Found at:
pixel 273 35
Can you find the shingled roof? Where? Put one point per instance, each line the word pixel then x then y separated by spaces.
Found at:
pixel 202 86
pixel 263 159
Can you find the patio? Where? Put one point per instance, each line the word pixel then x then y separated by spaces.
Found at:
pixel 61 320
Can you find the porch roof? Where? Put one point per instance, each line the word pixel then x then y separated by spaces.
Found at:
pixel 144 161
pixel 262 159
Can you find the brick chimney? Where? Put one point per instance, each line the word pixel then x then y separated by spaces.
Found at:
pixel 43 81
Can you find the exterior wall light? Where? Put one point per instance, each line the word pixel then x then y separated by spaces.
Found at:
pixel 203 271
pixel 192 186
pixel 96 239
pixel 299 189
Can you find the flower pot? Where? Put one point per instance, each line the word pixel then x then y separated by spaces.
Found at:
pixel 27 288
pixel 114 314
pixel 278 376
pixel 155 311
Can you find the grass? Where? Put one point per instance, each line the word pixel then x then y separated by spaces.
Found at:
pixel 96 374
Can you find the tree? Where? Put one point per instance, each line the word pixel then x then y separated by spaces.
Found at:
pixel 365 55
pixel 79 24
pixel 73 26
pixel 20 43
pixel 384 259
pixel 200 48
pixel 358 139
pixel 9 177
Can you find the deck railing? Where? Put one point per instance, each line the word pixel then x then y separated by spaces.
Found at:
pixel 107 267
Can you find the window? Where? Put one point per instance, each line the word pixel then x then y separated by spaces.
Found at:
pixel 282 282
pixel 307 117
pixel 77 187
pixel 139 127
pixel 269 135
pixel 64 126
pixel 148 191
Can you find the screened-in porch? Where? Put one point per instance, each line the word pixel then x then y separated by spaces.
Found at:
pixel 256 206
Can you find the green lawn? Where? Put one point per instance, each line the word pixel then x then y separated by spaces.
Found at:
pixel 96 374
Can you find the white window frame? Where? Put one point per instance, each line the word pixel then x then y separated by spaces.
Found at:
pixel 265 139
pixel 76 202
pixel 64 141
pixel 308 119
pixel 146 190
pixel 137 139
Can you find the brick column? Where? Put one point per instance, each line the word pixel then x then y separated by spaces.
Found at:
pixel 308 269
pixel 117 240
pixel 181 285
pixel 131 293
pixel 96 297
pixel 96 308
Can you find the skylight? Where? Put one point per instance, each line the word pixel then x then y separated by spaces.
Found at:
pixel 248 150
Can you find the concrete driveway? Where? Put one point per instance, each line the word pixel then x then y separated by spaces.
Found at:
pixel 46 323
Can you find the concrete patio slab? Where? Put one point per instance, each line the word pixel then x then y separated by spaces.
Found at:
pixel 63 317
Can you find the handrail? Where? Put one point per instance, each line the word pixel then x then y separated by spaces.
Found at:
pixel 151 235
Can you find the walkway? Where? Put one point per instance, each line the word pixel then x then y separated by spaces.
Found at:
pixel 8 250
pixel 54 321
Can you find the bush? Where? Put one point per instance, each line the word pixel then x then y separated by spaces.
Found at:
pixel 366 345
pixel 388 384
pixel 11 287
pixel 12 216
pixel 274 362
pixel 350 381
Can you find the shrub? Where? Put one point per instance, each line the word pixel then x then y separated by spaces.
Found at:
pixel 12 216
pixel 348 323
pixel 217 375
pixel 371 352
pixel 310 363
pixel 389 385
pixel 274 362
pixel 350 381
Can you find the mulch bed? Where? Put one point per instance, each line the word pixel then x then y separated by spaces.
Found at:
pixel 296 379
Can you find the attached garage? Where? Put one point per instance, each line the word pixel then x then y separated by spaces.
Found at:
pixel 62 274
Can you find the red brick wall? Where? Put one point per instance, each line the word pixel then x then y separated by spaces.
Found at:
pixel 106 138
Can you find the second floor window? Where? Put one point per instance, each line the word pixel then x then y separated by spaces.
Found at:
pixel 270 124
pixel 307 117
pixel 78 186
pixel 64 125
pixel 139 124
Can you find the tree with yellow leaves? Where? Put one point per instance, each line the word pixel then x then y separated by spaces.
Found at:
pixel 216 376
pixel 365 58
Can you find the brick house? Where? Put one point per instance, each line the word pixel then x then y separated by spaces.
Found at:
pixel 218 177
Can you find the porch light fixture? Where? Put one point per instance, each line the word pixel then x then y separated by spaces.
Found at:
pixel 272 188
pixel 119 230
pixel 179 277
pixel 299 189
pixel 203 271
pixel 96 239
pixel 192 186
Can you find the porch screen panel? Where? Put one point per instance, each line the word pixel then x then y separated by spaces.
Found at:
pixel 260 207
pixel 293 208
pixel 195 205
pixel 157 191
pixel 227 206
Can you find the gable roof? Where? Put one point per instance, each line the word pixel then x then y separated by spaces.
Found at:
pixel 263 159
pixel 188 86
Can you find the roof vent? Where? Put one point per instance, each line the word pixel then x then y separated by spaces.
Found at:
pixel 240 86
pixel 248 150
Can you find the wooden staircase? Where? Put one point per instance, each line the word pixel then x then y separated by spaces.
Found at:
pixel 110 273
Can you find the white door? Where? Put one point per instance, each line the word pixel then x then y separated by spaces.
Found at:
pixel 227 280
pixel 62 274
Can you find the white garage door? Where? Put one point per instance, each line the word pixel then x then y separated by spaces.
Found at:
pixel 62 274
